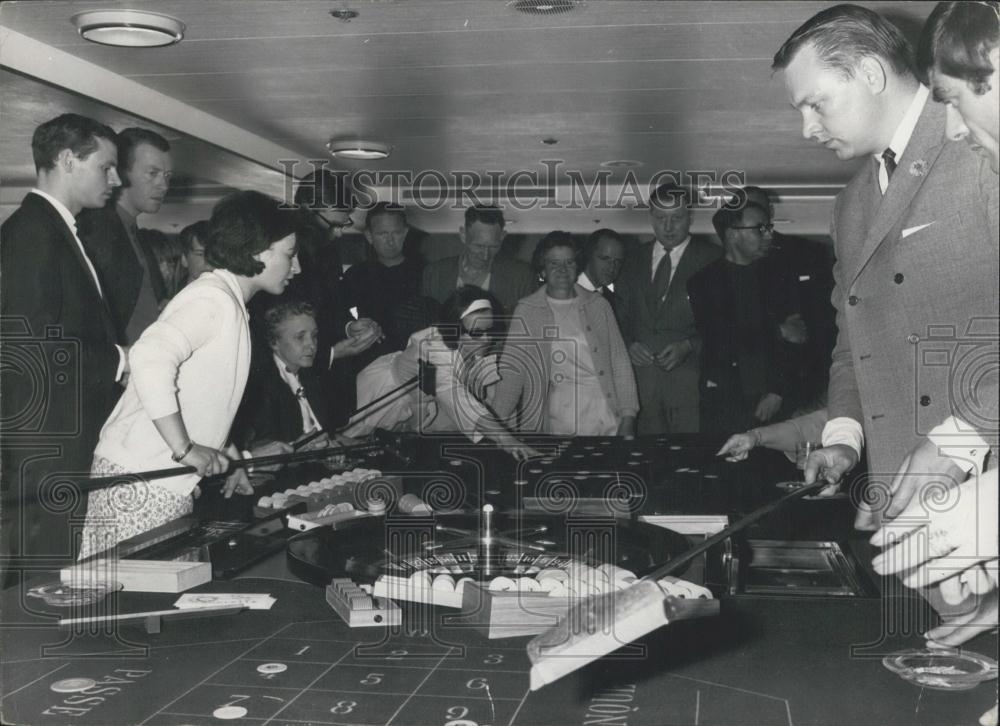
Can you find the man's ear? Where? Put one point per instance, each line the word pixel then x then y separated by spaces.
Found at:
pixel 66 158
pixel 871 70
pixel 368 236
pixel 461 234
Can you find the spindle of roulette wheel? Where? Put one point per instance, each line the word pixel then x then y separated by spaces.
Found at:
pixel 487 562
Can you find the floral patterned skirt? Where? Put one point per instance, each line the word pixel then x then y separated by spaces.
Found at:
pixel 118 512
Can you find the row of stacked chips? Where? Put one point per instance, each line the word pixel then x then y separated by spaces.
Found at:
pixel 578 580
pixel 319 494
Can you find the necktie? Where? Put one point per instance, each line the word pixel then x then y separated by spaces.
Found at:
pixel 86 258
pixel 609 296
pixel 889 159
pixel 309 421
pixel 661 280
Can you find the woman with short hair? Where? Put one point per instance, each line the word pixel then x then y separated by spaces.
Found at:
pixel 564 366
pixel 285 398
pixel 187 373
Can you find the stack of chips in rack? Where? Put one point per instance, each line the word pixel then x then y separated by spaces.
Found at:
pixel 328 490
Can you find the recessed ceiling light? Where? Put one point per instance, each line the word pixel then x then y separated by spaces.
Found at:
pixel 621 164
pixel 345 16
pixel 129 28
pixel 549 141
pixel 543 7
pixel 363 150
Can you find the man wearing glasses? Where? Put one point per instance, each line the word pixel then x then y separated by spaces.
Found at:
pixel 812 264
pixel 751 327
pixel 326 201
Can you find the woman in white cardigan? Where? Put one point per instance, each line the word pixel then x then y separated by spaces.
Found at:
pixel 186 376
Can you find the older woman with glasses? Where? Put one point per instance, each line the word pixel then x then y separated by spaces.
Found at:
pixel 579 382
pixel 461 350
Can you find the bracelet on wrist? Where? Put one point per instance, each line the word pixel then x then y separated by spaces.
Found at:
pixel 185 452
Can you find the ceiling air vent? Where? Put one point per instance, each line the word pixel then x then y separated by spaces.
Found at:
pixel 543 7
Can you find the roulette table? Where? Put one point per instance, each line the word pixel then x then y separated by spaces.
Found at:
pixel 765 659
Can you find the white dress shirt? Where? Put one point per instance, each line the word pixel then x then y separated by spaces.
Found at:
pixel 901 138
pixel 584 281
pixel 70 221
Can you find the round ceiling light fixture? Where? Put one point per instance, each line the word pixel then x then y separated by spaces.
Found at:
pixel 345 15
pixel 359 150
pixel 129 28
pixel 543 7
pixel 621 164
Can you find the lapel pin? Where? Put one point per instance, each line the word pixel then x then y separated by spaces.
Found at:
pixel 918 168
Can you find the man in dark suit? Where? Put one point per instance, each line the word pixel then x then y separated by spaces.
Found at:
pixel 61 361
pixel 602 256
pixel 478 265
pixel 811 264
pixel 751 326
pixel 379 286
pixel 126 265
pixel 656 319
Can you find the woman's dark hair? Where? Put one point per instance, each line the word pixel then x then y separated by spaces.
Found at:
pixel 275 315
pixel 449 323
pixel 244 224
pixel 551 241
pixel 957 39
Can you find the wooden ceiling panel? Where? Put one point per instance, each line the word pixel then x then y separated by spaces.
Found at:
pixel 385 53
pixel 464 84
pixel 582 77
pixel 740 99
pixel 49 20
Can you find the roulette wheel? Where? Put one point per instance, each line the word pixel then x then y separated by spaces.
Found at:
pixel 452 544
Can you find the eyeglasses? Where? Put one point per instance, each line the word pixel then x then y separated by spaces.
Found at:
pixel 331 224
pixel 762 228
pixel 479 332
